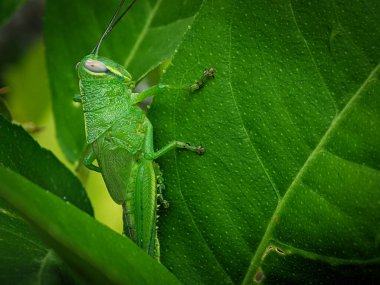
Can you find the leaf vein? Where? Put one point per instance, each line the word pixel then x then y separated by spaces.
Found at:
pixel 22 237
pixel 313 59
pixel 240 116
pixel 257 258
pixel 332 260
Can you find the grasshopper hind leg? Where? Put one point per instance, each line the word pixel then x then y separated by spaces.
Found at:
pixel 128 229
pixel 160 185
pixel 157 253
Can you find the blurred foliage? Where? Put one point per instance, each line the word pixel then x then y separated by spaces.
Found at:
pixel 96 254
pixel 7 8
pixel 21 249
pixel 29 101
pixel 22 24
pixel 28 98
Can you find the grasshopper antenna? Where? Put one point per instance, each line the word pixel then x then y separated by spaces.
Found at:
pixel 113 23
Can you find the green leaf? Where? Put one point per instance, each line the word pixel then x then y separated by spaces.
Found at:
pixel 96 253
pixel 19 152
pixel 163 25
pixel 7 8
pixel 4 111
pixel 21 250
pixel 148 35
pixel 289 188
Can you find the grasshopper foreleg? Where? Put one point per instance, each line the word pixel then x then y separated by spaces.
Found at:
pixel 176 144
pixel 208 74
pixel 77 99
pixel 89 158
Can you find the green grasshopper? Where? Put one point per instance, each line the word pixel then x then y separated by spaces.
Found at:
pixel 120 138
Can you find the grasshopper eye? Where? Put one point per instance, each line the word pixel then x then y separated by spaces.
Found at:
pixel 95 66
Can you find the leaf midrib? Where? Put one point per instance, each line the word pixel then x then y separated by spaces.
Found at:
pixel 143 33
pixel 257 258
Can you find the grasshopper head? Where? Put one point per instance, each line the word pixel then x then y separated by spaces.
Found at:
pixel 94 67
